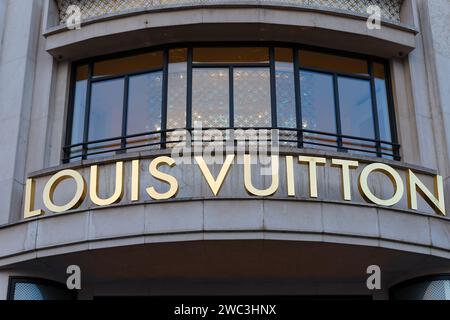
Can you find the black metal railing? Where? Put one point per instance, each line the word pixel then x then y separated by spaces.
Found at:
pixel 166 139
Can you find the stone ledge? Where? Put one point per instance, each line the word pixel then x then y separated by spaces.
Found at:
pixel 311 27
pixel 53 236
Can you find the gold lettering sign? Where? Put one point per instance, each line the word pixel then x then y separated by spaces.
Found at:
pixel 118 192
pixel 215 184
pixel 270 185
pixel 437 202
pixel 313 162
pixel 54 181
pixel 164 177
pixel 248 178
pixel 394 177
pixel 29 201
pixel 345 165
pixel 135 180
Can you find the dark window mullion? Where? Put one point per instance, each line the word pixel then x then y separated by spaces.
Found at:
pixel 376 124
pixel 189 97
pixel 189 90
pixel 298 97
pixel 273 87
pixel 231 95
pixel 87 110
pixel 338 113
pixel 69 122
pixel 123 143
pixel 164 97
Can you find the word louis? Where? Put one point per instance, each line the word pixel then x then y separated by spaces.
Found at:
pixel 413 185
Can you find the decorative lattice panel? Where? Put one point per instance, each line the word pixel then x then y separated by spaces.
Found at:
pixel 96 8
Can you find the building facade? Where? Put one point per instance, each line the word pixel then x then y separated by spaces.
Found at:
pixel 329 134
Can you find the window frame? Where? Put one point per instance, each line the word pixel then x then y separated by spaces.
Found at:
pixel 296 51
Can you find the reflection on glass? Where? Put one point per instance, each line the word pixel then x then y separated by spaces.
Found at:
pixel 356 107
pixel 79 109
pixel 82 72
pixel 105 119
pixel 329 62
pixel 382 103
pixel 318 107
pixel 144 107
pixel 356 113
pixel 177 83
pixel 379 71
pixel 285 88
pixel 383 109
pixel 144 103
pixel 252 97
pixel 130 64
pixel 230 55
pixel 210 97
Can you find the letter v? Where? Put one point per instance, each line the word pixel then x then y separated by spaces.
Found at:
pixel 215 184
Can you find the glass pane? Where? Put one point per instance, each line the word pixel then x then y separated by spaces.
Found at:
pixel 210 97
pixel 285 88
pixel 79 107
pixel 144 109
pixel 356 107
pixel 318 107
pixel 333 63
pixel 130 64
pixel 230 55
pixel 106 113
pixel 144 103
pixel 252 97
pixel 79 110
pixel 177 81
pixel 378 71
pixel 82 72
pixel 382 103
pixel 356 114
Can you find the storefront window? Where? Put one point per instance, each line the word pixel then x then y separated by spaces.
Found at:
pixel 316 99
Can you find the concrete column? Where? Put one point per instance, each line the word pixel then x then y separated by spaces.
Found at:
pixel 434 17
pixel 4 282
pixel 419 107
pixel 17 70
pixel 3 6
